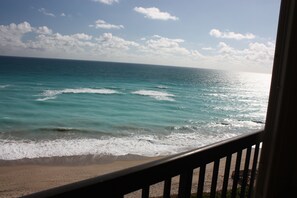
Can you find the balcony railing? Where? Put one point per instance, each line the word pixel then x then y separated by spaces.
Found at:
pixel 243 149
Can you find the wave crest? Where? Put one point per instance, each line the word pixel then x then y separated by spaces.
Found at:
pixel 142 145
pixel 52 94
pixel 158 95
pixel 4 86
pixel 162 87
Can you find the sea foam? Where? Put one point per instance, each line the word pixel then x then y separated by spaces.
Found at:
pixel 162 87
pixel 158 95
pixel 4 86
pixel 52 94
pixel 143 145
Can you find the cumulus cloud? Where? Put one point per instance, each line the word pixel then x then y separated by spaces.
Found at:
pixel 43 30
pixel 81 44
pixel 82 36
pixel 260 52
pixel 230 35
pixel 104 25
pixel 59 46
pixel 155 13
pixel 108 2
pixel 225 49
pixel 43 11
pixel 62 14
pixel 109 41
pixel 163 46
pixel 255 54
pixel 207 48
pixel 44 42
pixel 158 49
pixel 11 35
pixel 15 29
pixel 158 43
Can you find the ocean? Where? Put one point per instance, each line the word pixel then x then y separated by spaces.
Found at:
pixel 56 108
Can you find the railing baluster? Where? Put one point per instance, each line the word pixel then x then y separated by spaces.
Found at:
pixel 201 181
pixel 145 192
pixel 236 174
pixel 226 175
pixel 185 184
pixel 245 172
pixel 254 169
pixel 214 178
pixel 142 176
pixel 167 188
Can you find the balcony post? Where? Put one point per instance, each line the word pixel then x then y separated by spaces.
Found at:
pixel 278 166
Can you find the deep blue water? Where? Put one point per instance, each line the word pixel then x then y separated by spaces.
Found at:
pixel 54 107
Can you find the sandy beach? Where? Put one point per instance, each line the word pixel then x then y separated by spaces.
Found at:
pixel 24 177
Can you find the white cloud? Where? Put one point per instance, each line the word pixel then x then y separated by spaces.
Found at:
pixel 256 56
pixel 63 14
pixel 16 29
pixel 207 48
pixel 168 51
pixel 260 52
pixel 108 2
pixel 230 35
pixel 166 47
pixel 158 42
pixel 196 53
pixel 11 35
pixel 155 13
pixel 223 48
pixel 82 36
pixel 43 11
pixel 58 45
pixel 108 41
pixel 104 25
pixel 43 30
pixel 46 43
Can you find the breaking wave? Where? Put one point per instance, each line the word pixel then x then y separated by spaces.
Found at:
pixel 162 87
pixel 52 94
pixel 143 145
pixel 4 86
pixel 158 95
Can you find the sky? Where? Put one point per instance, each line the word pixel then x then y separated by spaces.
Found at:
pixel 230 35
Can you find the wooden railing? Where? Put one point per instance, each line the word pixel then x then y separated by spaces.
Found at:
pixel 118 184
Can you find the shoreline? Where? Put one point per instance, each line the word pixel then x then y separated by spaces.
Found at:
pixel 76 160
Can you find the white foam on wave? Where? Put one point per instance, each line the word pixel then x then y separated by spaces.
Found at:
pixel 52 94
pixel 46 98
pixel 4 86
pixel 144 145
pixel 162 87
pixel 158 95
pixel 250 124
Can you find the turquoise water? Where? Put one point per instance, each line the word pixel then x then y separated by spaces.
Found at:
pixel 63 107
